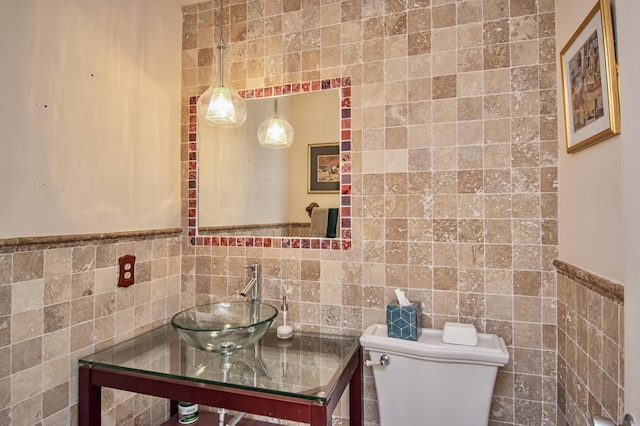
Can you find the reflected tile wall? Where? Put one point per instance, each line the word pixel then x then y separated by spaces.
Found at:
pixel 454 180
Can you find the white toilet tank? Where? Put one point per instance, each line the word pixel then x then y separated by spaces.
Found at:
pixel 431 383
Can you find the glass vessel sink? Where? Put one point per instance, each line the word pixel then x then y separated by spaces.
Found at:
pixel 224 327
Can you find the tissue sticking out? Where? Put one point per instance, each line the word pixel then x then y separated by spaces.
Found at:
pixel 402 299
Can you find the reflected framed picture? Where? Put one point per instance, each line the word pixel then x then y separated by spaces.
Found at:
pixel 590 81
pixel 323 168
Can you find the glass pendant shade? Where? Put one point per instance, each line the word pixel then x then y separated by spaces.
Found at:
pixel 275 132
pixel 220 105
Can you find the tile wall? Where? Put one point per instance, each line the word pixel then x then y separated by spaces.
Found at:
pixel 590 347
pixel 59 301
pixel 454 153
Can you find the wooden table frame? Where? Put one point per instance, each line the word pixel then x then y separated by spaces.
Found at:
pixel 92 379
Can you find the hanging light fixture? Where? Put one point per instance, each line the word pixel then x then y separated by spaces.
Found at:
pixel 220 105
pixel 275 132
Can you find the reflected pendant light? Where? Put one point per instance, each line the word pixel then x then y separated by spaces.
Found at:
pixel 275 132
pixel 220 105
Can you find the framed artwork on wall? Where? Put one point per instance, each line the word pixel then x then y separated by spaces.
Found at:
pixel 323 168
pixel 590 81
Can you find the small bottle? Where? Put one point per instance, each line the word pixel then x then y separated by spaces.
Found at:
pixel 284 331
pixel 187 413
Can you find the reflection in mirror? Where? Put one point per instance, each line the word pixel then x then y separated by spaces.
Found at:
pixel 243 184
pixel 246 194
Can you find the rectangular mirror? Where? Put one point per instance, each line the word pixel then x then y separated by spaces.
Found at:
pixel 252 230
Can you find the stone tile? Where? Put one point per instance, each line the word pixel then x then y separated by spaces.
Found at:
pixel 57 262
pixel 444 15
pixel 56 317
pixel 55 345
pixel 5 361
pixel 5 397
pixel 445 279
pixel 29 411
pixel 28 266
pixel 495 9
pixel 495 32
pixel 106 255
pixel 469 11
pixel 27 296
pixel 496 56
pixel 470 181
pixel 82 310
pixel 26 384
pixel 83 259
pixel 55 399
pixel 470 108
pixel 444 86
pixel 5 300
pixel 6 267
pixel 498 256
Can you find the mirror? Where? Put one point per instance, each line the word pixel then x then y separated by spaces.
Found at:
pixel 245 189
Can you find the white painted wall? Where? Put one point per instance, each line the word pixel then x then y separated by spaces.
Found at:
pixel 599 205
pixel 591 229
pixel 628 32
pixel 89 116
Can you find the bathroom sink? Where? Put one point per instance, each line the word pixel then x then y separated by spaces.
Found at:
pixel 225 326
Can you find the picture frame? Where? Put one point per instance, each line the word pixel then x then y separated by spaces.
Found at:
pixel 591 95
pixel 323 168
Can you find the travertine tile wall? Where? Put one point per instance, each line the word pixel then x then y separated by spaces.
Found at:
pixel 59 301
pixel 454 152
pixel 590 347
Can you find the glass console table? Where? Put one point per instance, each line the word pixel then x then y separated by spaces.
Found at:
pixel 301 379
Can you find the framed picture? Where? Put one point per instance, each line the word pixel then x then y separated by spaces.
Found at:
pixel 590 81
pixel 323 168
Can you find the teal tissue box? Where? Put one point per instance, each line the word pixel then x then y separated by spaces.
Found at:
pixel 403 322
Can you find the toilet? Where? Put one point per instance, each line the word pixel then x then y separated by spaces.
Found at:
pixel 432 383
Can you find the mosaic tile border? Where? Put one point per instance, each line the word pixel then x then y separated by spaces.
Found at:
pixel 344 242
pixel 602 286
pixel 9 245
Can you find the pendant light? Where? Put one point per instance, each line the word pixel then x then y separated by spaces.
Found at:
pixel 220 105
pixel 275 132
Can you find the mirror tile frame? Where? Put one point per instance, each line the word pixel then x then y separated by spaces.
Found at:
pixel 342 243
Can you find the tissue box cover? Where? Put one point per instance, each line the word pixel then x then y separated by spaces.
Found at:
pixel 403 322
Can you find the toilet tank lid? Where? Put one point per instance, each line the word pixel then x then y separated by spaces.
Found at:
pixel 490 350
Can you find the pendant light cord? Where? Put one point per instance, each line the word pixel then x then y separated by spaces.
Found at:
pixel 221 44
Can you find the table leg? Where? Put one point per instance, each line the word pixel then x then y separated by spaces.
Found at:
pixel 355 395
pixel 89 399
pixel 319 416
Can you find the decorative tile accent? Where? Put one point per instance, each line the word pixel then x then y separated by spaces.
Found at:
pixel 344 84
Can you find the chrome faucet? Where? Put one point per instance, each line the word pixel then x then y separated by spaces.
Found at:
pixel 254 284
pixel 254 287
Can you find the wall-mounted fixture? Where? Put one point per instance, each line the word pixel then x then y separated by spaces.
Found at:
pixel 629 420
pixel 220 105
pixel 126 276
pixel 275 132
